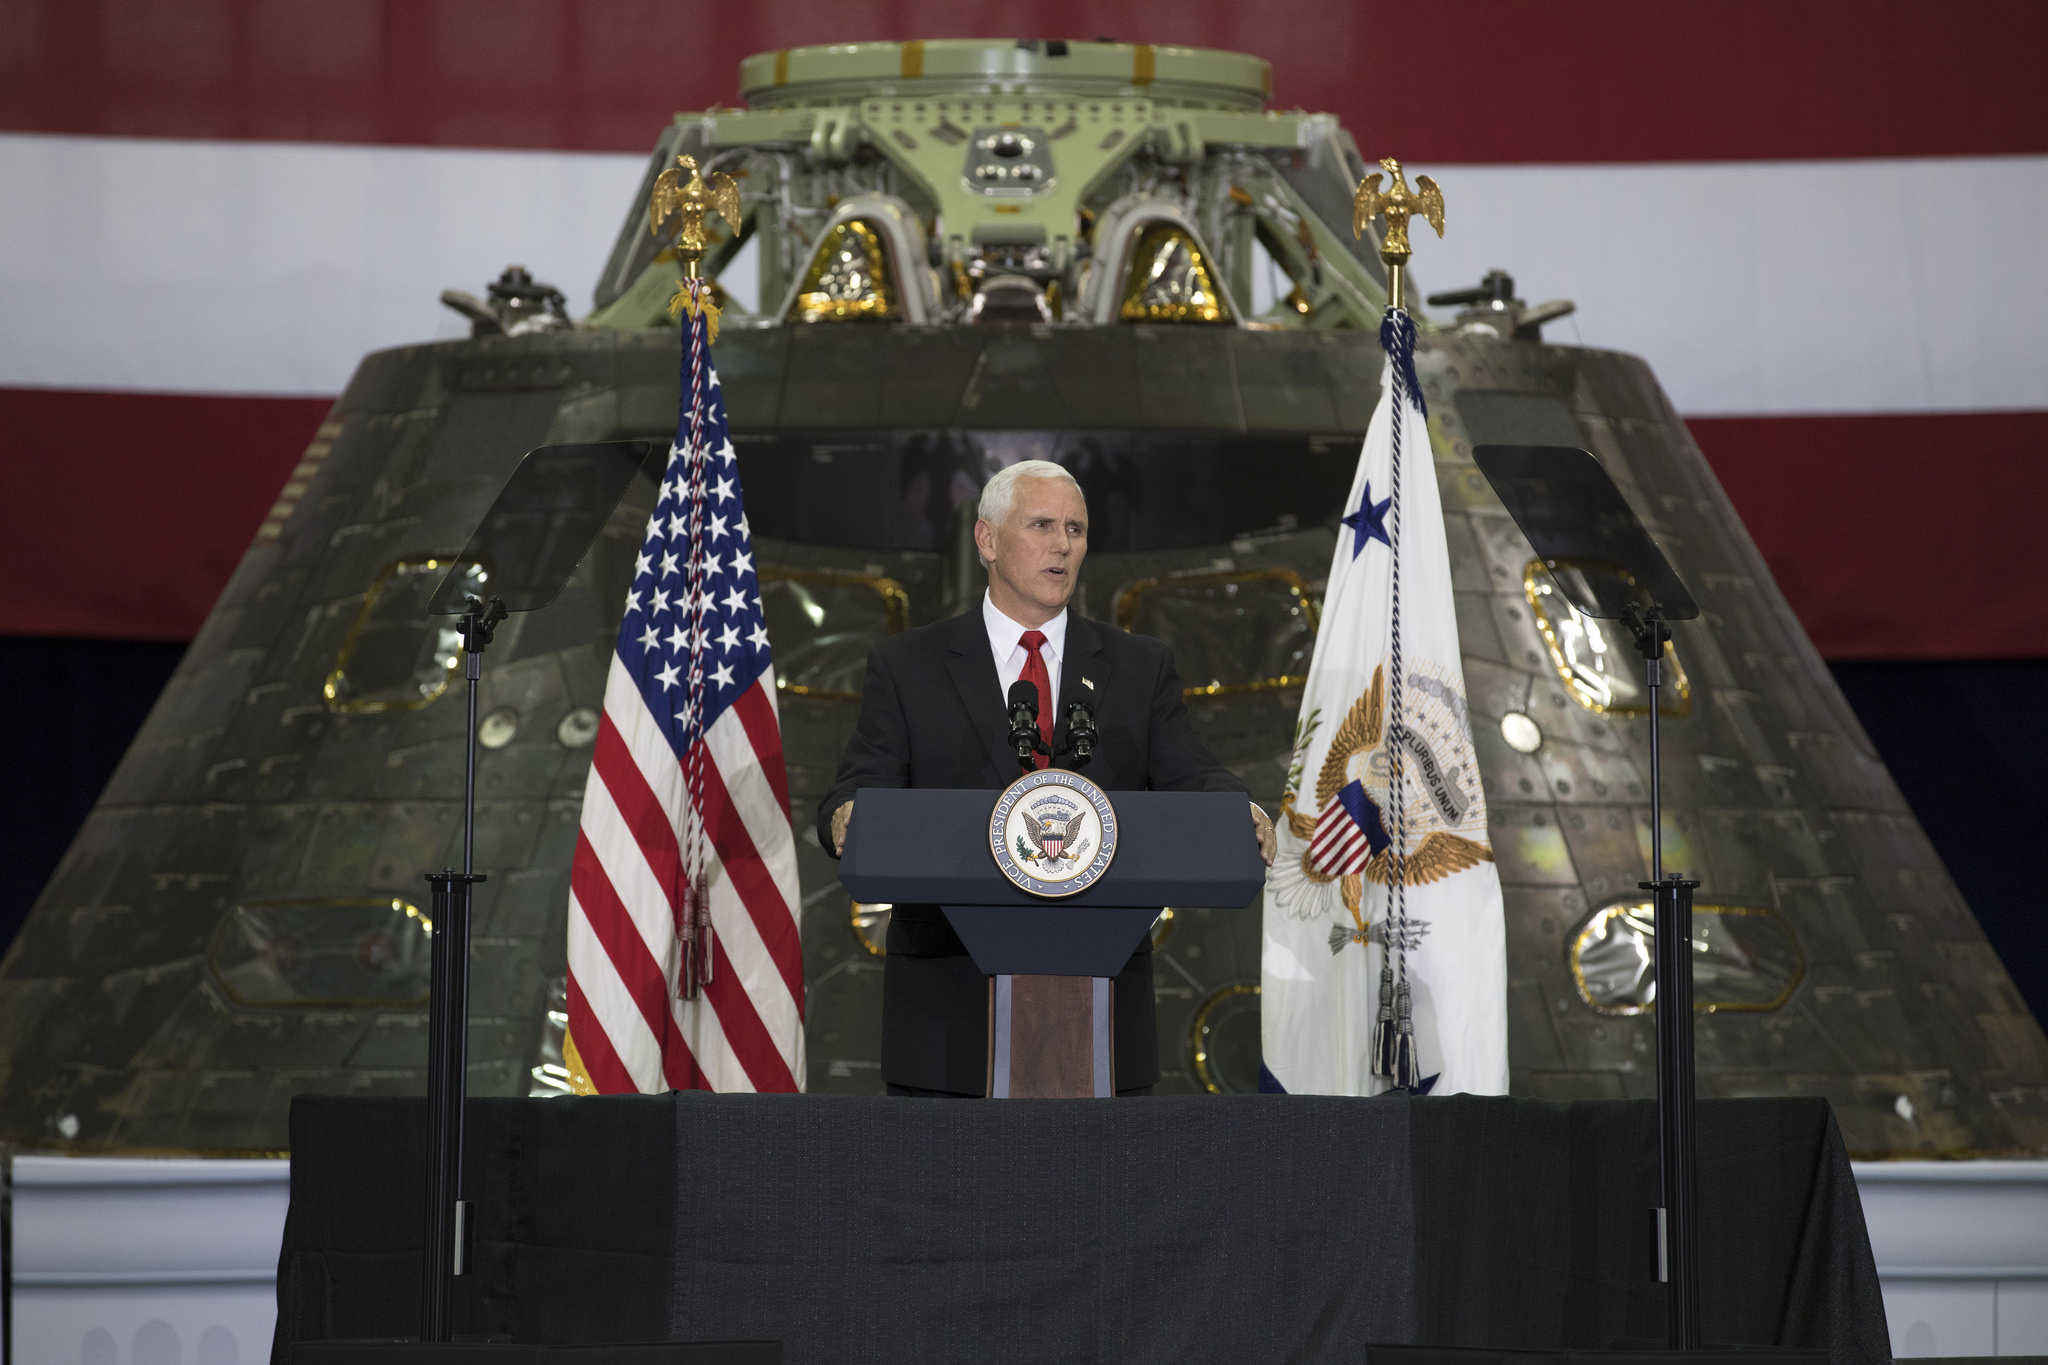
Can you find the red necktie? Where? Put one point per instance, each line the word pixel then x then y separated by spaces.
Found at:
pixel 1035 674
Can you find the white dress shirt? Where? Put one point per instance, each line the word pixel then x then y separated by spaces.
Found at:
pixel 1004 636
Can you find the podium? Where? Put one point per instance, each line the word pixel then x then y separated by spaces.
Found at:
pixel 1050 960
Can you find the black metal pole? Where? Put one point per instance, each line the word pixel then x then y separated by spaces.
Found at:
pixel 446 1235
pixel 472 673
pixel 447 1061
pixel 1677 1152
pixel 1653 668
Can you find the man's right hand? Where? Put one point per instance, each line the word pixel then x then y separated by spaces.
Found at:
pixel 840 819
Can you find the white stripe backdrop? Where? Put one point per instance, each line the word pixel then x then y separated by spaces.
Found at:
pixel 267 267
pixel 1768 287
pixel 1777 287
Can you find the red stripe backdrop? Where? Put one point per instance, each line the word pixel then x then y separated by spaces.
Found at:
pixel 1893 537
pixel 1477 80
pixel 123 514
pixel 1897 537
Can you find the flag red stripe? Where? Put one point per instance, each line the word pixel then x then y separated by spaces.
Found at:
pixel 745 1034
pixel 679 1064
pixel 600 1060
pixel 620 938
pixel 757 890
pixel 757 717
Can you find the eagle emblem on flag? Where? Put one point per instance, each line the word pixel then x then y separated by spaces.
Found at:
pixel 1346 835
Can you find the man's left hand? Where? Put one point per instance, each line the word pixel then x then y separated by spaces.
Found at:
pixel 1269 846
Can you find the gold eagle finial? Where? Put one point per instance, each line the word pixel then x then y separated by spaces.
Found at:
pixel 1399 203
pixel 682 198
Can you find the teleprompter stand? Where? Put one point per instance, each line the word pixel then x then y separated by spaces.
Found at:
pixel 1603 560
pixel 1051 960
pixel 536 532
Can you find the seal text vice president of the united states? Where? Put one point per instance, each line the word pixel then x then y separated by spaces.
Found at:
pixel 933 715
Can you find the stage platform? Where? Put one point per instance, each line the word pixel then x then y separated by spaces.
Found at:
pixel 1174 1229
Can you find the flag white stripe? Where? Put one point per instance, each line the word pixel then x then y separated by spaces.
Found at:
pixel 244 257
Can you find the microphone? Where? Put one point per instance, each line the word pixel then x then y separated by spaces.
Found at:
pixel 1081 736
pixel 1024 723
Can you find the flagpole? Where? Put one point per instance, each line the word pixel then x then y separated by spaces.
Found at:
pixel 683 199
pixel 1394 1054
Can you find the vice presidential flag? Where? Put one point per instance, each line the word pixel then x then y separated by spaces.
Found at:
pixel 1384 962
pixel 684 966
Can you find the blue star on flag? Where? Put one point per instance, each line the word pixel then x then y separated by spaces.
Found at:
pixel 1369 522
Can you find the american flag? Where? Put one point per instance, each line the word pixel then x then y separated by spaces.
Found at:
pixel 685 970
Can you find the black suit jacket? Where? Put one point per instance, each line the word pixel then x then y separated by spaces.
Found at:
pixel 932 715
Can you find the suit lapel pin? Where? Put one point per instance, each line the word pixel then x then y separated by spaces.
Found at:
pixel 1088 683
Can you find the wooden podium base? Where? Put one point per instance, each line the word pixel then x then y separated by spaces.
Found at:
pixel 1049 1038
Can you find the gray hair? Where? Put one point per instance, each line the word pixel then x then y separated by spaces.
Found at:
pixel 1000 494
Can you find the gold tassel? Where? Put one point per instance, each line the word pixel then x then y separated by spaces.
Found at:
pixel 572 1061
pixel 683 303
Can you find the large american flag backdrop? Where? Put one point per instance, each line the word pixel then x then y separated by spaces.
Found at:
pixel 1819 222
pixel 686 812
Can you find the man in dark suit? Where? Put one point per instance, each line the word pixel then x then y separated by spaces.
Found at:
pixel 933 715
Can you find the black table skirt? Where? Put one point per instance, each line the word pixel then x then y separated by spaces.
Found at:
pixel 1182 1229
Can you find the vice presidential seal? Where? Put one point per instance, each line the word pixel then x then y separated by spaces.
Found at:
pixel 1053 832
